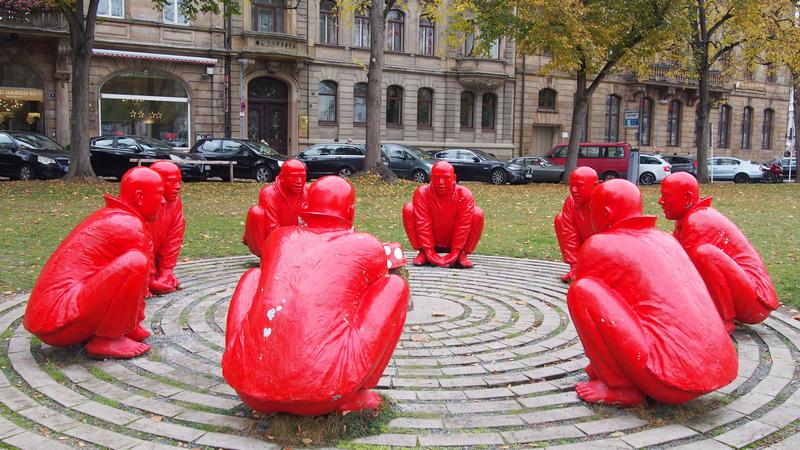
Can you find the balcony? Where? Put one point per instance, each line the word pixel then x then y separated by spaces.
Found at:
pixel 666 74
pixel 275 45
pixel 48 21
pixel 481 73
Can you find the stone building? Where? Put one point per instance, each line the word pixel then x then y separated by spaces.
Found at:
pixel 293 73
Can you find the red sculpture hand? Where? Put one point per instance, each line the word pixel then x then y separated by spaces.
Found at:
pixel 452 257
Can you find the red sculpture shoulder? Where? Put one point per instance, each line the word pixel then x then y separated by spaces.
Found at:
pixel 642 311
pixel 732 269
pixel 167 231
pixel 93 286
pixel 312 330
pixel 442 217
pixel 573 224
pixel 278 205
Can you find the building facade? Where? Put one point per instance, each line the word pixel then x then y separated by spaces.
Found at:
pixel 293 73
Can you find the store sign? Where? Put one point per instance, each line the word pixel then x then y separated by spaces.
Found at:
pixel 21 94
pixel 631 118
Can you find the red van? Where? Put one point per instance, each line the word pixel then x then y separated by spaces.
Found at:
pixel 608 159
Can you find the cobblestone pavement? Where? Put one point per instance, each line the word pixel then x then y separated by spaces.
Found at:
pixel 488 358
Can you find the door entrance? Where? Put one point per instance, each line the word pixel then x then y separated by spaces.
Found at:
pixel 544 139
pixel 267 115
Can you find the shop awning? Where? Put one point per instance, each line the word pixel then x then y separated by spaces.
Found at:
pixel 154 57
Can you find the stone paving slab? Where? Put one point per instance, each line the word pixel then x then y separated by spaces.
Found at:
pixel 497 369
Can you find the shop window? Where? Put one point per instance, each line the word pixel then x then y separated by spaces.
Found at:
pixel 327 101
pixel 467 110
pixel 674 124
pixel 328 23
pixel 111 8
pixel 146 104
pixel 173 14
pixel 747 126
pixel 268 16
pixel 427 33
pixel 425 108
pixel 645 121
pixel 488 111
pixel 395 24
pixel 766 130
pixel 394 106
pixel 360 103
pixel 612 118
pixel 21 98
pixel 724 132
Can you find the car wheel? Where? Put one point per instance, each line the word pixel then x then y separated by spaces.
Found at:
pixel 262 174
pixel 561 178
pixel 419 176
pixel 741 178
pixel 498 176
pixel 609 176
pixel 647 178
pixel 770 177
pixel 345 172
pixel 25 172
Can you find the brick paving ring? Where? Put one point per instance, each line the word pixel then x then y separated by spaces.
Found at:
pixel 488 358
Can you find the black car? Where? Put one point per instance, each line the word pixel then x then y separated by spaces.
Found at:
pixel 543 170
pixel 111 156
pixel 681 164
pixel 333 159
pixel 475 165
pixel 408 162
pixel 254 160
pixel 28 156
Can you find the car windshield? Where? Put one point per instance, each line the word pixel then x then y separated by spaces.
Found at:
pixel 152 144
pixel 35 141
pixel 417 153
pixel 485 156
pixel 260 147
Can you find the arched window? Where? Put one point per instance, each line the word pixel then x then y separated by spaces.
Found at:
pixel 612 118
pixel 747 126
pixel 427 33
pixel 547 99
pixel 128 105
pixel 394 106
pixel 361 28
pixel 467 109
pixel 328 23
pixel 327 101
pixel 645 121
pixel 488 110
pixel 268 16
pixel 395 23
pixel 724 132
pixel 766 130
pixel 674 124
pixel 21 99
pixel 360 103
pixel 425 108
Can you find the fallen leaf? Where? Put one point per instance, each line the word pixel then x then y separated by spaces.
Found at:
pixel 617 434
pixel 438 314
pixel 521 302
pixel 307 441
pixel 797 317
pixel 415 328
pixel 419 338
pixel 156 418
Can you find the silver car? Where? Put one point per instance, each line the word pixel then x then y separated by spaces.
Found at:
pixel 726 168
pixel 408 162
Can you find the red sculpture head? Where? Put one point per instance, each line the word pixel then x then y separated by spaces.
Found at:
pixel 172 179
pixel 614 201
pixel 679 192
pixel 443 178
pixel 293 175
pixel 331 203
pixel 582 182
pixel 142 188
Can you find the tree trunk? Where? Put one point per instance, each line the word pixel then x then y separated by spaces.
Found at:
pixel 81 29
pixel 374 162
pixel 703 122
pixel 578 127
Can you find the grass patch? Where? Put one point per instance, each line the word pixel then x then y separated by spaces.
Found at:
pixel 519 220
pixel 331 429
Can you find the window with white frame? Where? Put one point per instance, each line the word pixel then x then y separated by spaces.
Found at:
pixel 111 8
pixel 172 13
pixel 395 30
pixel 427 31
pixel 361 28
pixel 360 103
pixel 328 23
pixel 268 16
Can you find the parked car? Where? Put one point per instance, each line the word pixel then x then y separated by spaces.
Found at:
pixel 726 168
pixel 652 169
pixel 28 156
pixel 682 163
pixel 787 165
pixel 609 160
pixel 333 159
pixel 475 165
pixel 542 170
pixel 254 160
pixel 408 162
pixel 111 156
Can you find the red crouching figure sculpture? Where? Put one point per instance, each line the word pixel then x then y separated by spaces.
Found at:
pixel 574 224
pixel 732 269
pixel 312 330
pixel 278 205
pixel 642 312
pixel 93 286
pixel 442 217
pixel 167 231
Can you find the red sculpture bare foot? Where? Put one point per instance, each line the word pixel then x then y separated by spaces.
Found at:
pixel 139 334
pixel 420 260
pixel 598 392
pixel 464 261
pixel 119 348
